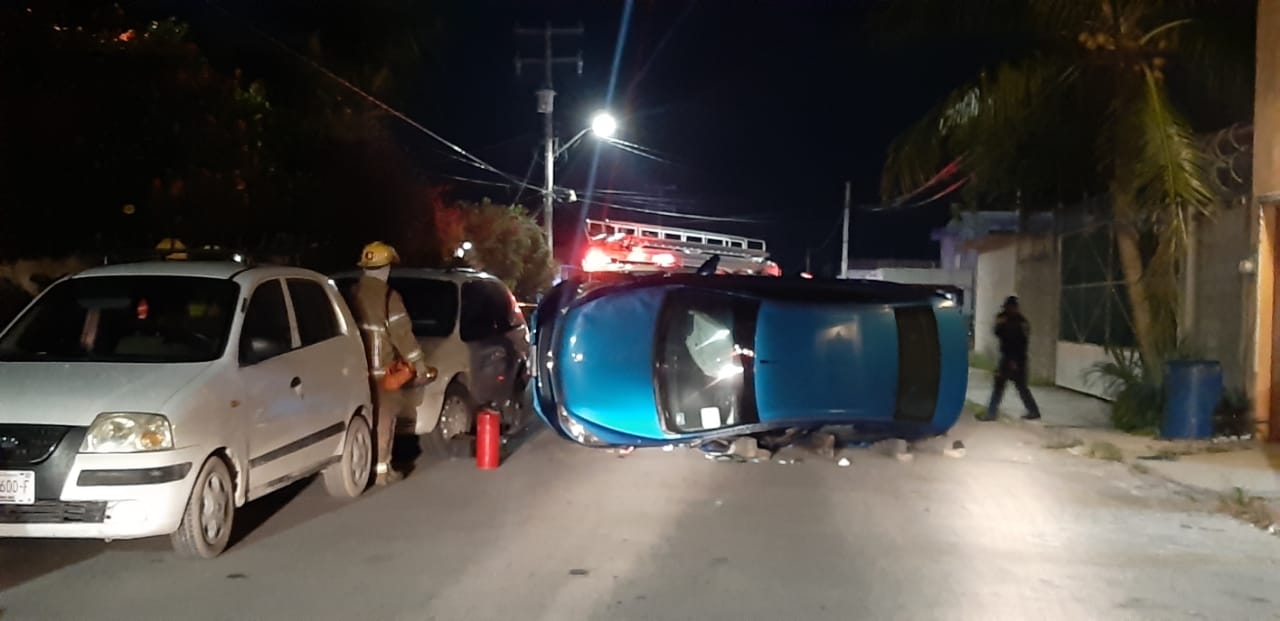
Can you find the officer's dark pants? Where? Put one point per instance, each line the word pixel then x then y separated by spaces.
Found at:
pixel 1015 371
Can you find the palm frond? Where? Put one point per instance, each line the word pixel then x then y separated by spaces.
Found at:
pixel 990 123
pixel 1035 21
pixel 1171 173
pixel 1211 62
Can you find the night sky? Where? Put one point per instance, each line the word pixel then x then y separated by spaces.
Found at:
pixel 762 109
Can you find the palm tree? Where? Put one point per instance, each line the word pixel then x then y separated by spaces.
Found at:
pixel 1089 104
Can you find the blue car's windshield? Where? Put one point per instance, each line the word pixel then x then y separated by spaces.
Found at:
pixel 706 367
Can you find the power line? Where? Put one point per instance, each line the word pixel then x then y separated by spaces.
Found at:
pixel 466 157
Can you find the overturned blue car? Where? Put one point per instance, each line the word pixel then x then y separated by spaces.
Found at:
pixel 687 358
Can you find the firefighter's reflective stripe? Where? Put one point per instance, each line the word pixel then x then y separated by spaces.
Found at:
pixel 385 325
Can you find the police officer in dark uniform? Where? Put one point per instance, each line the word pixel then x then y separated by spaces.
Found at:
pixel 1014 332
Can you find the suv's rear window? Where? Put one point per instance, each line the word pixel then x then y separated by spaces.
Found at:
pixel 432 304
pixel 145 319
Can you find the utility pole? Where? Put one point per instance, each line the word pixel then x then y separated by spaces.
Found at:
pixel 546 105
pixel 844 246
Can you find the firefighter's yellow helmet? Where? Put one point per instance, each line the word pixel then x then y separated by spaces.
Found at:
pixel 376 255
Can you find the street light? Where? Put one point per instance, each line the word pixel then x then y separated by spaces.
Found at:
pixel 603 125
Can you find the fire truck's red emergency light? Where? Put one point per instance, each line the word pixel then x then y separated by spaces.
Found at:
pixel 595 260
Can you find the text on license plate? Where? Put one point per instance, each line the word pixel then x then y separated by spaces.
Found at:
pixel 17 487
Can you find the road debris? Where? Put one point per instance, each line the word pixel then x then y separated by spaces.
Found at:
pixel 668 448
pixel 957 450
pixel 578 572
pixel 844 462
pixel 744 447
pixel 823 443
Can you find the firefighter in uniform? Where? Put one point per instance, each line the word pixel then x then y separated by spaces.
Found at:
pixel 388 336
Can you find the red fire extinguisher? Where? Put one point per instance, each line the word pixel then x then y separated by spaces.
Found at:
pixel 488 439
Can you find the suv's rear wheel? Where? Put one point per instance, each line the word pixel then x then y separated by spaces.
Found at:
pixel 451 437
pixel 205 529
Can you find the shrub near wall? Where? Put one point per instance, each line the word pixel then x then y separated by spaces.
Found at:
pixel 22 280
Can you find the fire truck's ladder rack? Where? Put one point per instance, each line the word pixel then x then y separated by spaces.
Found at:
pixel 687 241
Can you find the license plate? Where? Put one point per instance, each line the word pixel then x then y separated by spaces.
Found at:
pixel 17 487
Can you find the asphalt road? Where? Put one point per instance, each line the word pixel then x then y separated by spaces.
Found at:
pixel 1010 531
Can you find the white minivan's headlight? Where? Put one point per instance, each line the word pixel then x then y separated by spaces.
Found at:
pixel 128 432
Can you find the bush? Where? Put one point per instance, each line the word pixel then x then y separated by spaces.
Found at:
pixel 1138 397
pixel 22 280
pixel 1234 414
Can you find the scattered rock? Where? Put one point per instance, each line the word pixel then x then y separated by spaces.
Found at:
pixel 578 572
pixel 824 444
pixel 844 462
pixel 744 447
pixel 893 448
pixel 957 450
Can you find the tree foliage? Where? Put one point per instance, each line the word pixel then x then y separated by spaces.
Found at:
pixel 506 242
pixel 1088 106
pixel 120 127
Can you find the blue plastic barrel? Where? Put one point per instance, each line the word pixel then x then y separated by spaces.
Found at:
pixel 1192 389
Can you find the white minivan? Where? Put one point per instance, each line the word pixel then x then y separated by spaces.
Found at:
pixel 155 398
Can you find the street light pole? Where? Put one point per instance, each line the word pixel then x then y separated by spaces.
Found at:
pixel 546 98
pixel 844 245
pixel 546 105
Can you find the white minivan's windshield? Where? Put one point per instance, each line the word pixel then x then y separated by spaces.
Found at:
pixel 142 319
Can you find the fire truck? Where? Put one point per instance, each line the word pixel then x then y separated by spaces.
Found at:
pixel 615 246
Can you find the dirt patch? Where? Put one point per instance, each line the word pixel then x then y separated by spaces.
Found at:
pixel 1241 505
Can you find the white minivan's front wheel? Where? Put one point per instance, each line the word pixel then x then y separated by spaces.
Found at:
pixel 349 477
pixel 206 523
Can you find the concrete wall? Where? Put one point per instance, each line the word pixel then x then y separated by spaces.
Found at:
pixel 1038 285
pixel 996 279
pixel 1222 294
